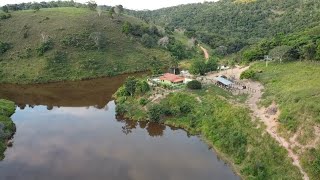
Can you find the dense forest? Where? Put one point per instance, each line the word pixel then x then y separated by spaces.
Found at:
pixel 230 25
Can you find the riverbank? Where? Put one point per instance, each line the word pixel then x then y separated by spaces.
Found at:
pixel 7 127
pixel 228 127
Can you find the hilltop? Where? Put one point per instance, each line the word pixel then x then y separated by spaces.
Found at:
pixel 231 25
pixel 68 43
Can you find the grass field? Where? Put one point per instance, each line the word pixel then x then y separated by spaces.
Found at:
pixel 296 88
pixel 7 108
pixel 24 30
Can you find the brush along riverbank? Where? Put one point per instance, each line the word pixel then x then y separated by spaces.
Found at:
pixel 209 113
pixel 7 127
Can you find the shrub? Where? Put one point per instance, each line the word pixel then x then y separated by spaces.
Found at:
pixel 148 41
pixel 143 101
pixel 155 112
pixel 4 46
pixel 44 47
pixel 194 84
pixel 5 16
pixel 130 85
pixel 142 87
pixel 248 74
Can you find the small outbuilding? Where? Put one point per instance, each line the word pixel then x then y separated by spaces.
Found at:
pixel 223 81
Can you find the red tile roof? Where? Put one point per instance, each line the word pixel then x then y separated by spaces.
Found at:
pixel 172 78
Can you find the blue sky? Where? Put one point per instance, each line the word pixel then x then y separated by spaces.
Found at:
pixel 131 4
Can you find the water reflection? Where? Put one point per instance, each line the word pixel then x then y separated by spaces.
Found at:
pixel 67 132
pixel 153 129
pixel 86 93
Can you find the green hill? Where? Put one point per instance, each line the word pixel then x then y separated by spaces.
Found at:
pixel 230 25
pixel 68 43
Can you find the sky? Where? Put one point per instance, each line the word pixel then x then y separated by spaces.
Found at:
pixel 130 4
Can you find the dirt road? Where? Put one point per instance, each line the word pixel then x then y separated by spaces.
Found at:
pixel 263 114
pixel 205 51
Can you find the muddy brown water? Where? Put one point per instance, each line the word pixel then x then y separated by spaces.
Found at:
pixel 69 131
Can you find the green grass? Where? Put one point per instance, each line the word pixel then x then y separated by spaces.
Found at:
pixel 7 108
pixel 295 87
pixel 253 153
pixel 122 54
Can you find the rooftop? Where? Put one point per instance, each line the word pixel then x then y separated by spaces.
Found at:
pixel 223 81
pixel 172 78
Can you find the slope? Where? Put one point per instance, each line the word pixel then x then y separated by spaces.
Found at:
pixel 234 24
pixel 67 44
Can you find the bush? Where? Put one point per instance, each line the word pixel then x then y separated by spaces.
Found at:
pixel 44 47
pixel 194 84
pixel 142 87
pixel 148 41
pixel 248 74
pixel 155 113
pixel 143 101
pixel 4 47
pixel 5 16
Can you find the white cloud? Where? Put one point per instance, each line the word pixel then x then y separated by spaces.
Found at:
pixel 131 4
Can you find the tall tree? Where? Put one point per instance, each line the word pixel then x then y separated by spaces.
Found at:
pixel 130 85
pixel 92 5
pixel 279 52
pixel 5 9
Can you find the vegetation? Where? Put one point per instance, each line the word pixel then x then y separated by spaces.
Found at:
pixel 248 74
pixel 7 127
pixel 194 84
pixel 295 87
pixel 201 67
pixel 93 45
pixel 228 128
pixel 230 25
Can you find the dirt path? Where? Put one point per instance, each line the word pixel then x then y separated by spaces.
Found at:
pixel 269 116
pixel 205 51
pixel 271 122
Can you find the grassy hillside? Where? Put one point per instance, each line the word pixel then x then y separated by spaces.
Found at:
pixel 296 88
pixel 235 24
pixel 7 127
pixel 67 36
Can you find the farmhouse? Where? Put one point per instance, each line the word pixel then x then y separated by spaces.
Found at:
pixel 171 78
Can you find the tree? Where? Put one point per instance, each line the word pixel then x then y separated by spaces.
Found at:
pixel 155 66
pixel 92 5
pixel 111 12
pixel 5 9
pixel 148 41
pixel 198 67
pixel 36 7
pixel 194 84
pixel 309 51
pixel 212 64
pixel 130 85
pixel 279 52
pixel 127 28
pixel 318 52
pixel 164 41
pixel 118 9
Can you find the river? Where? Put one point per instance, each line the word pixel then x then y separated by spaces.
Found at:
pixel 69 131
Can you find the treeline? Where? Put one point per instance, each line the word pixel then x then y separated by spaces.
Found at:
pixel 303 45
pixel 36 5
pixel 152 36
pixel 228 25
